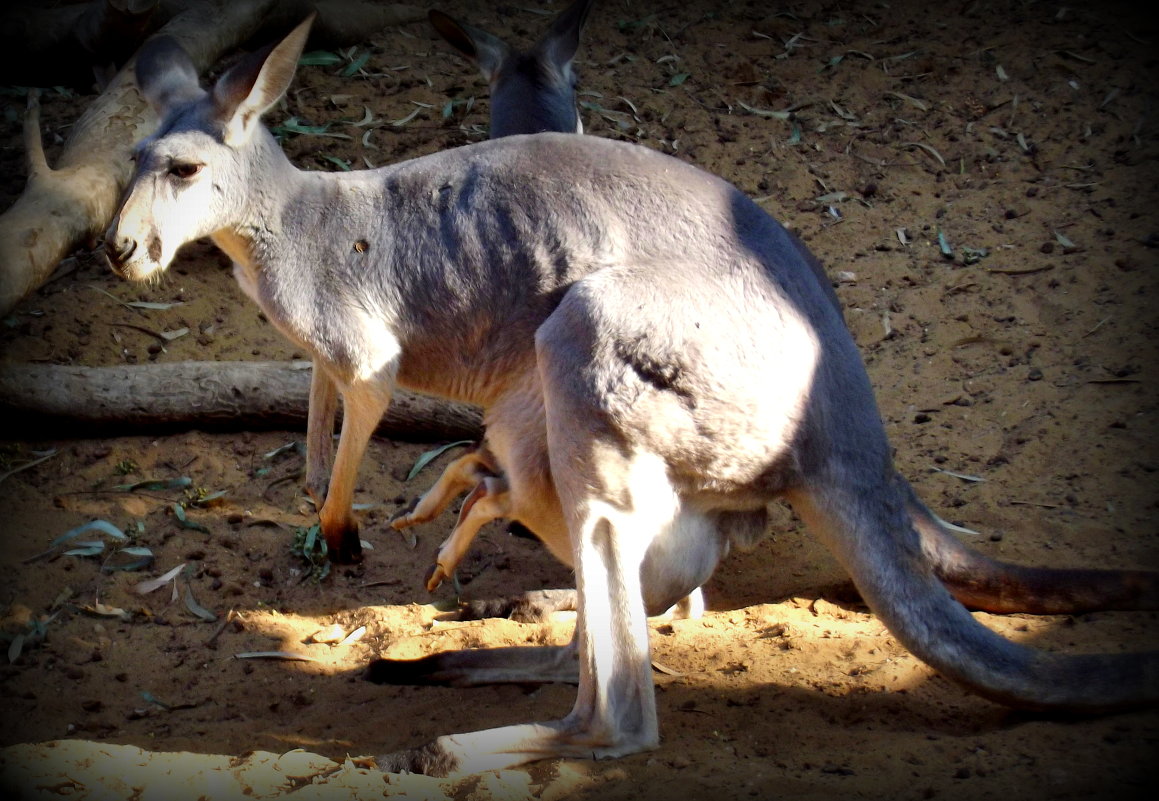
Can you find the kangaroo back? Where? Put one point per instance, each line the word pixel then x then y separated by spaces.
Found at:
pixel 533 90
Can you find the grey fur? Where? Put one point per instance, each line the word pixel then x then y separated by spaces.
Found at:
pixel 655 355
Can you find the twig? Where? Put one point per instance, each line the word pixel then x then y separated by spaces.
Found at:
pixel 217 632
pixel 27 465
pixel 1023 271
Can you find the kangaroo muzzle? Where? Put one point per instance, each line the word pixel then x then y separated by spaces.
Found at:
pixel 118 251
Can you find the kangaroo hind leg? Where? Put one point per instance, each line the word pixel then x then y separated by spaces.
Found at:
pixel 617 498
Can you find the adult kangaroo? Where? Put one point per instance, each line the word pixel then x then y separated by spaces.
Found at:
pixel 531 91
pixel 656 358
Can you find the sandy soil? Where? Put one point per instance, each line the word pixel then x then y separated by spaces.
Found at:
pixel 1019 389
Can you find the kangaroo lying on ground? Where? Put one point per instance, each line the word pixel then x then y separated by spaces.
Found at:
pixel 656 358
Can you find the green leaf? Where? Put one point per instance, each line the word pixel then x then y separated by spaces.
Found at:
pixel 777 115
pixel 147 304
pixel 179 513
pixel 144 559
pixel 157 484
pixel 86 549
pixel 355 65
pixel 319 58
pixel 294 125
pixel 344 165
pixel 206 500
pixel 974 255
pixel 196 608
pixel 103 526
pixel 296 445
pixel 431 455
pixel 404 120
pixel 678 78
pixel 150 698
pixel 944 245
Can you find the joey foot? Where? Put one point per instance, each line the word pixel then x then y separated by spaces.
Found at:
pixel 404 517
pixel 436 574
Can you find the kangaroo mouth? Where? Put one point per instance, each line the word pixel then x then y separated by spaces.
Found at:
pixel 138 269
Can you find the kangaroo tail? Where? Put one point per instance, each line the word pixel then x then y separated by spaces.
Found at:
pixel 871 532
pixel 990 585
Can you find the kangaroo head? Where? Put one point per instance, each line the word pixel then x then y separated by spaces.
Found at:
pixel 192 175
pixel 531 91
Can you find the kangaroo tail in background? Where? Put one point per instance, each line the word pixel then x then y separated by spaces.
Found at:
pixel 870 532
pixel 990 585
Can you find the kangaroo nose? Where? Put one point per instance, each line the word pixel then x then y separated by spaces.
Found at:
pixel 119 250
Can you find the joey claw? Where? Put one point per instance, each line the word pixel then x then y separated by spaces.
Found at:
pixel 404 517
pixel 435 576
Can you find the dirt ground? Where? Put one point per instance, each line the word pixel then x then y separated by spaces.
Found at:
pixel 1016 376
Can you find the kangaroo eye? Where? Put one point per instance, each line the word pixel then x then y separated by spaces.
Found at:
pixel 184 170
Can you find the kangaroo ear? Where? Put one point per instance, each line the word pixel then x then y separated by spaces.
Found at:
pixel 486 51
pixel 255 83
pixel 561 41
pixel 165 74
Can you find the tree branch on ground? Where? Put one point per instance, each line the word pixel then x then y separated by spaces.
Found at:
pixel 48 400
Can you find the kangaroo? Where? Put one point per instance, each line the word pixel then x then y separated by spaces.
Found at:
pixel 534 91
pixel 656 358
pixel 531 91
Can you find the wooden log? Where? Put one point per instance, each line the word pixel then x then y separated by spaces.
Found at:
pixel 47 401
pixel 71 205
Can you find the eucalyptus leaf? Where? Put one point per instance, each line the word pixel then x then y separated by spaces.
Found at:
pixel 180 482
pixel 343 165
pixel 150 698
pixel 179 513
pixel 944 245
pixel 761 112
pixel 404 120
pixel 86 549
pixel 148 304
pixel 286 655
pixel 196 608
pixel 148 586
pixel 356 65
pixel 103 526
pixel 296 445
pixel 431 455
pixel 319 58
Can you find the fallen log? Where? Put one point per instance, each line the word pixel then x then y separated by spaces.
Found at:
pixel 69 207
pixel 64 208
pixel 48 400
